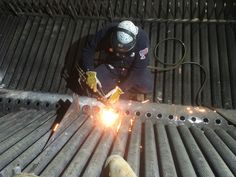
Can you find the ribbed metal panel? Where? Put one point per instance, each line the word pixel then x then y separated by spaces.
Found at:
pixel 153 147
pixel 137 9
pixel 34 50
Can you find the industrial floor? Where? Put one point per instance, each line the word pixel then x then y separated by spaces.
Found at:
pixel 41 42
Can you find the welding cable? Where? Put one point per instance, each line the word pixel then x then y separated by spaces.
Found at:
pixel 180 62
pixel 171 66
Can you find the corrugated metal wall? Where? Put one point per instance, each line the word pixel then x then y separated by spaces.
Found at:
pixel 34 49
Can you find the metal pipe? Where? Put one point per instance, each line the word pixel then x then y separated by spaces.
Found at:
pixel 25 131
pixel 68 151
pixel 232 133
pixel 151 163
pixel 50 152
pixel 198 160
pixel 23 144
pixel 228 140
pixel 133 156
pixel 95 165
pixel 24 159
pixel 79 161
pixel 167 165
pixel 216 162
pixel 222 149
pixel 183 162
pixel 121 138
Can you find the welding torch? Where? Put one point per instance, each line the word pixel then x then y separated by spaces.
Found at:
pixel 99 95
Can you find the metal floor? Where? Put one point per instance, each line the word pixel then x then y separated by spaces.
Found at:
pixel 167 141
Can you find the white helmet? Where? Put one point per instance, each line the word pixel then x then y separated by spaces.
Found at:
pixel 124 36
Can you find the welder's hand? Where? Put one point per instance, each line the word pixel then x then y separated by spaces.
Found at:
pixel 92 80
pixel 114 95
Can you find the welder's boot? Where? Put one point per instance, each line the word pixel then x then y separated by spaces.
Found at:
pixel 116 166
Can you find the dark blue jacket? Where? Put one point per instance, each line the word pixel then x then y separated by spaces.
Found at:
pixel 134 61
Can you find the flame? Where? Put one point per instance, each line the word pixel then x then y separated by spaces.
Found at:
pixel 56 126
pixel 109 117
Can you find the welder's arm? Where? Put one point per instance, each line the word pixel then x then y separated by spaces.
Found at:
pixel 94 44
pixel 88 52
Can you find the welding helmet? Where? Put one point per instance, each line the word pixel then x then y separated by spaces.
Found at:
pixel 123 38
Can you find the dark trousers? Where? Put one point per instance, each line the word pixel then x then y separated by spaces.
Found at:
pixel 110 78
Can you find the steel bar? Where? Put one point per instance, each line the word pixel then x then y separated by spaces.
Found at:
pixel 216 162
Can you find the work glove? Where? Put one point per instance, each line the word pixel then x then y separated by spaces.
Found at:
pixel 114 95
pixel 92 80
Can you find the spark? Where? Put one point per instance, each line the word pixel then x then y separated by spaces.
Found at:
pixel 145 101
pixel 190 112
pixel 202 110
pixel 188 108
pixel 118 127
pixel 131 122
pixel 56 126
pixel 109 117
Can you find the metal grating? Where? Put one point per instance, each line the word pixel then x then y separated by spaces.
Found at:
pixel 150 10
pixel 153 146
pixel 34 50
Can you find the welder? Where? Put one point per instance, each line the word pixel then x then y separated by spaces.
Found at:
pixel 124 67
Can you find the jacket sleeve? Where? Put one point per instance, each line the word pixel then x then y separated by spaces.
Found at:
pixel 140 64
pixel 88 52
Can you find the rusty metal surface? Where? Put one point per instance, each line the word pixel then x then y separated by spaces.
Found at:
pixel 152 146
